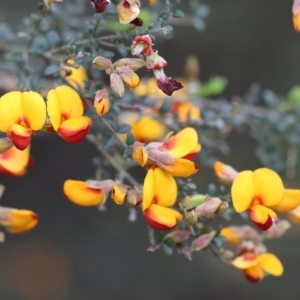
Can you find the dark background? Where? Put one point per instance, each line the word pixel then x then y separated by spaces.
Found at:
pixel 81 253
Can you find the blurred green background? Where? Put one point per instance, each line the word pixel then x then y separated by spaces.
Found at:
pixel 80 253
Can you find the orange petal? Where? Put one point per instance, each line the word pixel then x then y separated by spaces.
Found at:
pixel 165 188
pixel 20 220
pixel 148 189
pixel 262 216
pixel 245 261
pixel 14 161
pixel 75 130
pixel 34 110
pixel 140 155
pixel 79 193
pixel 183 143
pixel 242 191
pixel 232 234
pixel 19 135
pixel 268 187
pixel 10 109
pixel 254 273
pixel 291 199
pixel 271 264
pixel 182 168
pixel 296 22
pixel 102 107
pixel 161 218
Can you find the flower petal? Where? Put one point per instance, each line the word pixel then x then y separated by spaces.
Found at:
pixel 14 161
pixel 161 218
pixel 262 216
pixel 77 77
pixel 294 215
pixel 254 273
pixel 139 155
pixel 271 264
pixel 10 109
pixel 183 143
pixel 165 188
pixel 245 261
pixel 291 199
pixel 232 234
pixel 75 130
pixel 19 135
pixel 242 191
pixel 79 193
pixel 148 189
pixel 182 168
pixel 268 187
pixel 34 110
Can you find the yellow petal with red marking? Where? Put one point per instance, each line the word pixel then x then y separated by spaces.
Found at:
pixel 245 261
pixel 161 218
pixel 182 168
pixel 268 187
pixel 291 199
pixel 20 221
pixel 75 130
pixel 34 110
pixel 148 189
pixel 14 161
pixel 183 143
pixel 79 193
pixel 242 191
pixel 254 273
pixel 165 188
pixel 10 109
pixel 19 135
pixel 271 264
pixel 260 214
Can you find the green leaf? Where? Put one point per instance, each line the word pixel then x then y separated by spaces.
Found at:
pixel 52 69
pixel 130 139
pixel 214 86
pixel 293 96
pixel 124 128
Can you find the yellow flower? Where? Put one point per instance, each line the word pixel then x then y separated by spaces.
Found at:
pixel 225 173
pixel 186 110
pixel 128 10
pixel 21 115
pixel 261 192
pixel 65 110
pixel 17 220
pixel 14 161
pixel 157 199
pixel 76 77
pixel 256 265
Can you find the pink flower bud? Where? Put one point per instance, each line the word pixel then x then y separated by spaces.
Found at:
pixel 117 85
pixel 100 5
pixel 177 236
pixel 166 84
pixel 202 241
pixel 208 208
pixel 133 63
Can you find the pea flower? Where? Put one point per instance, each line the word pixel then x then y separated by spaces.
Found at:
pixel 74 76
pixel 128 10
pixel 171 154
pixel 256 265
pixel 142 44
pixel 87 193
pixel 296 15
pixel 22 114
pixel 65 110
pixel 261 192
pixel 157 199
pixel 15 162
pixel 225 173
pixel 101 102
pixel 236 234
pixel 100 5
pixel 17 220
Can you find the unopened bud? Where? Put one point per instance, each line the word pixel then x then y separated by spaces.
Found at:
pixel 277 230
pixel 133 63
pixel 134 197
pixel 190 202
pixel 177 237
pixel 119 193
pixel 208 208
pixel 102 107
pixel 222 209
pixel 102 63
pixel 129 77
pixel 139 154
pixel 117 85
pixel 191 218
pixel 202 241
pixel 161 157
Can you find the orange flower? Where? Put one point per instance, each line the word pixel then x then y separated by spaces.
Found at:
pixel 87 193
pixel 65 110
pixel 14 161
pixel 17 220
pixel 257 192
pixel 255 265
pixel 21 115
pixel 157 200
pixel 225 173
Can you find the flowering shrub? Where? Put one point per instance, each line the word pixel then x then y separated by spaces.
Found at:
pixel 82 81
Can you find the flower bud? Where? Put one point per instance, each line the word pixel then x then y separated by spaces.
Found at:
pixel 139 153
pixel 102 63
pixel 133 63
pixel 129 77
pixel 177 236
pixel 277 230
pixel 202 241
pixel 102 107
pixel 191 218
pixel 142 45
pixel 117 85
pixel 100 5
pixel 208 208
pixel 134 197
pixel 222 209
pixel 190 202
pixel 119 193
pixel 225 173
pixel 161 157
